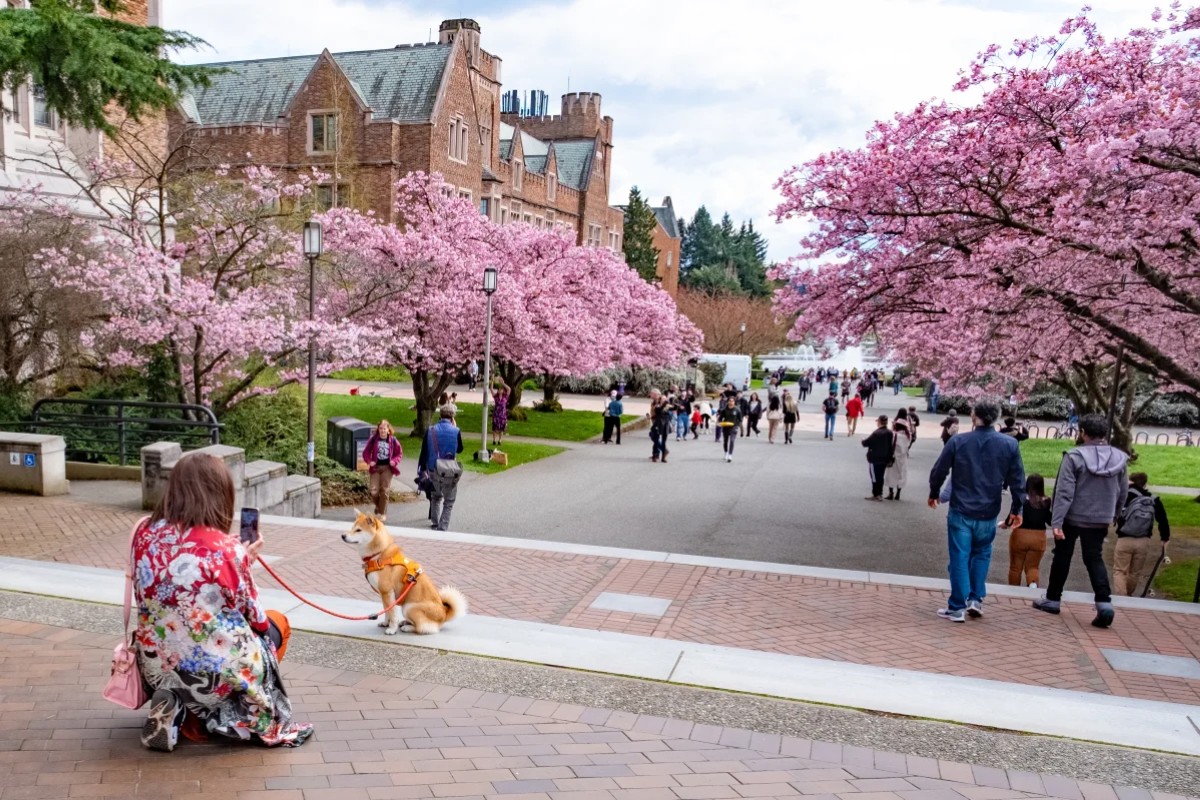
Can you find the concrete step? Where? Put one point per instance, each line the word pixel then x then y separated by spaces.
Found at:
pixel 265 484
pixel 303 497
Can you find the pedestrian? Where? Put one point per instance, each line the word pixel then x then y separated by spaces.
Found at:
pixel 500 413
pixel 743 403
pixel 683 413
pixel 872 385
pixel 914 421
pixel 729 422
pixel 754 414
pixel 1089 495
pixel 660 426
pixel 439 456
pixel 791 412
pixel 897 383
pixel 984 463
pixel 613 410
pixel 1011 428
pixel 834 386
pixel 932 394
pixel 830 406
pixel 879 453
pixel 449 399
pixel 696 420
pixel 805 386
pixel 949 426
pixel 205 645
pixel 774 417
pixel 1027 543
pixel 705 413
pixel 1135 524
pixel 472 374
pixel 854 410
pixel 382 453
pixel 896 477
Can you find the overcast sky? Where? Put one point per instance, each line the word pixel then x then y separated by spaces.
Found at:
pixel 712 100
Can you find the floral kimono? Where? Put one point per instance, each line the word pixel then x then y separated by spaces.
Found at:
pixel 202 633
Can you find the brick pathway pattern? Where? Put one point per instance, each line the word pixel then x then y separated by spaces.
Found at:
pixel 380 738
pixel 881 625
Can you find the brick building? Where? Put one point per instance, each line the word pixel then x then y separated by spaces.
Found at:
pixel 668 241
pixel 370 117
pixel 38 149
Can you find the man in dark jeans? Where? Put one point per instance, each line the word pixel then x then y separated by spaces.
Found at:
pixel 1088 496
pixel 984 464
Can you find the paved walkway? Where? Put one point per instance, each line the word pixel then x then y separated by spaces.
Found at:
pixel 380 737
pixel 884 621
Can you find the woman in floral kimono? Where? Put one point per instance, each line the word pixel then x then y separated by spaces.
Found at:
pixel 206 648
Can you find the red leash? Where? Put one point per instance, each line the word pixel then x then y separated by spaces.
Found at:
pixel 411 582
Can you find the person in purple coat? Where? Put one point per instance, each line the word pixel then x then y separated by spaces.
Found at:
pixel 382 454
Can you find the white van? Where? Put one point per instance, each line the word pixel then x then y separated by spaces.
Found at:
pixel 737 367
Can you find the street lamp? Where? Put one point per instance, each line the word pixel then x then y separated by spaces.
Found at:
pixel 312 251
pixel 489 288
pixel 742 343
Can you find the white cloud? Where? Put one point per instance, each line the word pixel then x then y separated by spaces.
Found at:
pixel 712 100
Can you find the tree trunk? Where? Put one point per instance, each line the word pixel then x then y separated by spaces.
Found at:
pixel 427 388
pixel 514 378
pixel 550 384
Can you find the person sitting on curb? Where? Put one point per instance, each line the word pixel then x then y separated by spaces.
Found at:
pixel 1088 497
pixel 1135 525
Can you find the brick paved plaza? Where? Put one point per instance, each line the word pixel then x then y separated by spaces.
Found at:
pixel 876 624
pixel 380 738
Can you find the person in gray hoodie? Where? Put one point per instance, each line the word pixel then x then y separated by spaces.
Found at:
pixel 1088 496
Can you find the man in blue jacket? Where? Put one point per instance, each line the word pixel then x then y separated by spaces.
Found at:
pixel 985 462
pixel 439 458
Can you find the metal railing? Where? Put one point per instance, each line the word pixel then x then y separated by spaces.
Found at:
pixel 1182 438
pixel 114 431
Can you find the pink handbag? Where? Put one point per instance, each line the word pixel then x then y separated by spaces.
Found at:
pixel 125 687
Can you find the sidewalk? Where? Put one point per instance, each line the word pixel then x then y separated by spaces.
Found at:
pixel 381 737
pixel 537 593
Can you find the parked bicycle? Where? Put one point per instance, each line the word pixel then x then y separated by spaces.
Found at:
pixel 1185 438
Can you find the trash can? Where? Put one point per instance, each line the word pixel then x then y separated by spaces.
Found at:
pixel 345 439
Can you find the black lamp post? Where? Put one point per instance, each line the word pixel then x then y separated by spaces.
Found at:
pixel 312 251
pixel 489 288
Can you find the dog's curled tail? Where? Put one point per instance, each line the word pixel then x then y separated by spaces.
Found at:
pixel 454 601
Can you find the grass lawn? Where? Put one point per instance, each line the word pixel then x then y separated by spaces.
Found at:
pixel 1184 512
pixel 373 374
pixel 569 425
pixel 914 391
pixel 1177 581
pixel 518 453
pixel 1167 465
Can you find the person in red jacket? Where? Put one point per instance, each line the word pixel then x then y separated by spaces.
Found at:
pixel 854 410
pixel 382 454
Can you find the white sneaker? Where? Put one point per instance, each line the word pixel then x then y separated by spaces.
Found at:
pixel 974 609
pixel 1033 585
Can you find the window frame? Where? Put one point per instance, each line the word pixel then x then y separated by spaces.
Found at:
pixel 323 114
pixel 51 123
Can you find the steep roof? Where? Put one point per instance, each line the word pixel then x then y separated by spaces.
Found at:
pixel 666 218
pixel 399 83
pixel 574 157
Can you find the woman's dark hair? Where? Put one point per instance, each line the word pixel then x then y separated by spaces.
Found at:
pixel 1035 487
pixel 199 493
pixel 902 414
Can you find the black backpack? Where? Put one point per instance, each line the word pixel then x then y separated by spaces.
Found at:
pixel 830 405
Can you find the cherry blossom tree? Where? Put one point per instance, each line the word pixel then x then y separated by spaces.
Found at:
pixel 1050 224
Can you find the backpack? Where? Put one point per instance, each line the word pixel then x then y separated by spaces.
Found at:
pixel 830 405
pixel 1137 518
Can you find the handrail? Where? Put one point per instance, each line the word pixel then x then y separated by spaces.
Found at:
pixel 104 429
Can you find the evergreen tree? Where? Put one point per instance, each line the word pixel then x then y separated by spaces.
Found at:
pixel 85 60
pixel 699 245
pixel 640 252
pixel 722 258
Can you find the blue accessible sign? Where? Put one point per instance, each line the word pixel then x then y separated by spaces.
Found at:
pixel 30 460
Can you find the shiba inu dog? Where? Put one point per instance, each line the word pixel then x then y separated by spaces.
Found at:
pixel 426 608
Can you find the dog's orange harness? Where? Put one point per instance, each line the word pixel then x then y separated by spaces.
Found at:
pixel 392 557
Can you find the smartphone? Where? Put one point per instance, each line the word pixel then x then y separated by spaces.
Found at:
pixel 249 533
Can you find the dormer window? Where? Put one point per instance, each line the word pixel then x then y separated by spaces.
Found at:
pixel 322 132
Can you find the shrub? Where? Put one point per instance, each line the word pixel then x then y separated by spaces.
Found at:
pixel 14 407
pixel 373 374
pixel 518 414
pixel 714 373
pixel 637 381
pixel 553 407
pixel 270 427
